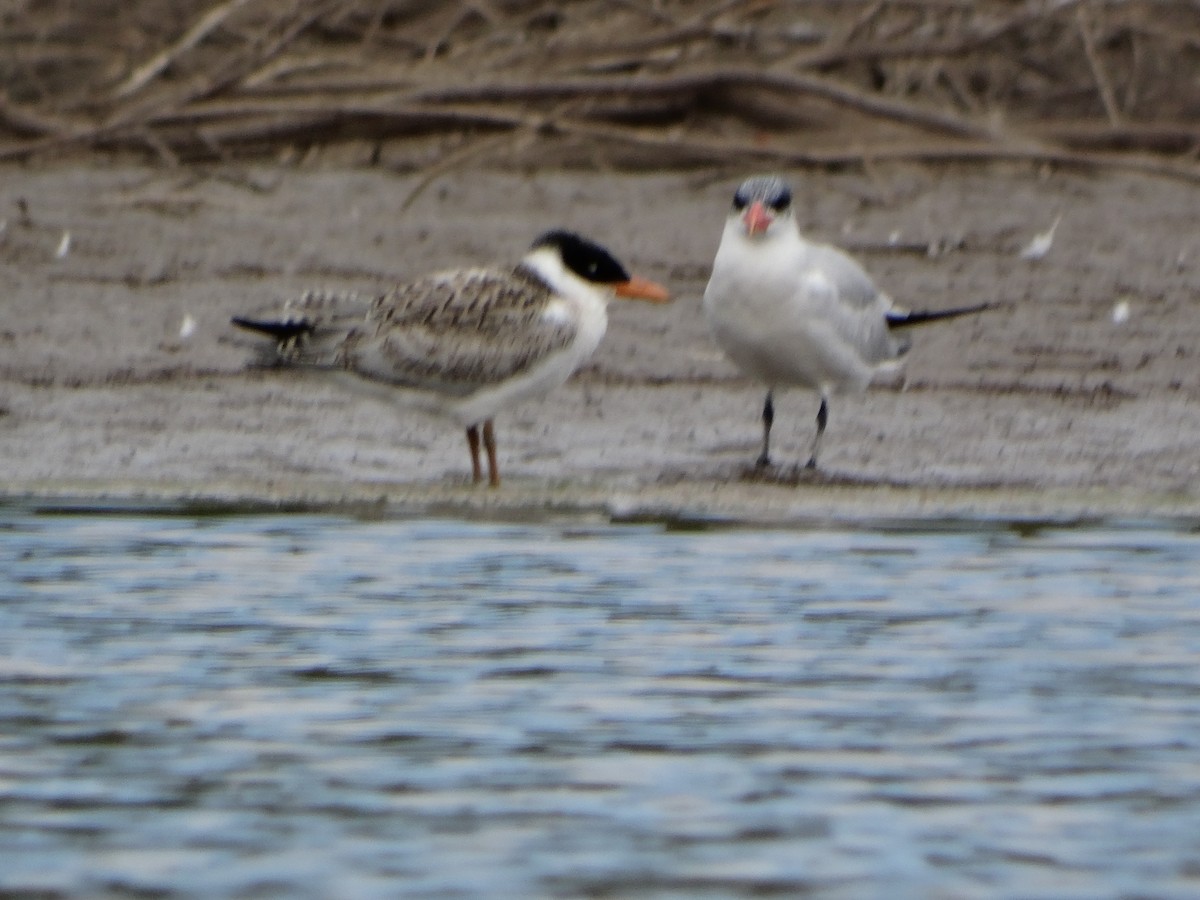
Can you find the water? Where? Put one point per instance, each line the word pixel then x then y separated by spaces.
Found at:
pixel 320 706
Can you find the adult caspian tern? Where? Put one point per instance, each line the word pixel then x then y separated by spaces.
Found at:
pixel 788 311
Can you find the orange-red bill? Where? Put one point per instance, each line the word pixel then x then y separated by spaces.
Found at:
pixel 756 218
pixel 638 288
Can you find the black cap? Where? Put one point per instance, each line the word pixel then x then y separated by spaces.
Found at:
pixel 585 258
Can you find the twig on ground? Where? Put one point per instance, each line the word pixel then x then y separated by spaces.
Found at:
pixel 29 123
pixel 148 71
pixel 915 79
pixel 454 160
pixel 231 72
pixel 709 79
pixel 1103 85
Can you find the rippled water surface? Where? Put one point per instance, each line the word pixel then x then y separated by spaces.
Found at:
pixel 308 705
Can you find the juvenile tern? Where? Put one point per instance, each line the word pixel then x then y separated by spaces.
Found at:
pixel 464 343
pixel 788 311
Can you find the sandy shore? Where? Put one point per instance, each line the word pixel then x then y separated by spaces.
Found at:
pixel 1051 407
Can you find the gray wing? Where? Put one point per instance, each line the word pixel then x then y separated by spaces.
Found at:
pixel 855 288
pixel 457 332
pixel 850 302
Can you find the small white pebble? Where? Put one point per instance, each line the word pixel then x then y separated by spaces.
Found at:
pixel 1120 313
pixel 187 328
pixel 64 246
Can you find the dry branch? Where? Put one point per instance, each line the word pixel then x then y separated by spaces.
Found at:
pixel 1103 85
pixel 682 81
pixel 701 82
pixel 28 123
pixel 144 74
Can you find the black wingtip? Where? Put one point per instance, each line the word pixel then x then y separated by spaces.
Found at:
pixel 899 319
pixel 280 331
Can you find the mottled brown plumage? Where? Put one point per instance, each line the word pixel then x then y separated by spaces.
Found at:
pixel 463 343
pixel 451 333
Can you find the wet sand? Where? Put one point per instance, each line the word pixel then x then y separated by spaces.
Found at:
pixel 1050 407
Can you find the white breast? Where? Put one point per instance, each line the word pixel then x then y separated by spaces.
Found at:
pixel 789 312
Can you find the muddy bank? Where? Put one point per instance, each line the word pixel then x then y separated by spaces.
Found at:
pixel 1079 396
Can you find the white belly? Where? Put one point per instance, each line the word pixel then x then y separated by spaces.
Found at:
pixel 782 320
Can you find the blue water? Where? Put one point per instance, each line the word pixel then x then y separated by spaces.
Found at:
pixel 322 706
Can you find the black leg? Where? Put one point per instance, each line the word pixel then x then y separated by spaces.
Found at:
pixel 489 443
pixel 473 445
pixel 822 419
pixel 768 419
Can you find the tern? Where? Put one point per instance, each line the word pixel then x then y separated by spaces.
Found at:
pixel 464 343
pixel 789 311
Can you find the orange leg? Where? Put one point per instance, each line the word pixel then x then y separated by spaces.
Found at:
pixel 473 443
pixel 489 442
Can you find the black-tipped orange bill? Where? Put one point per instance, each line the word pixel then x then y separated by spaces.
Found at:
pixel 638 288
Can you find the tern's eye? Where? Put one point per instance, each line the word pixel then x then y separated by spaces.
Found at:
pixel 740 200
pixel 780 201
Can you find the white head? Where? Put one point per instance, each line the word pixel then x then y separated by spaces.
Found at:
pixel 762 208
